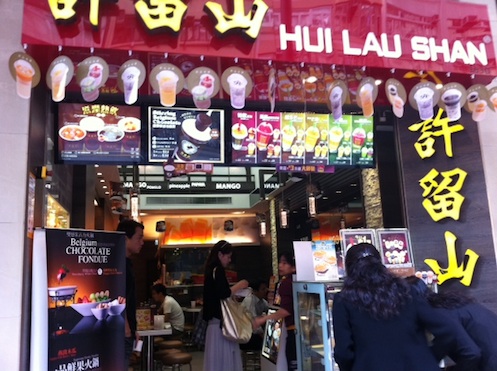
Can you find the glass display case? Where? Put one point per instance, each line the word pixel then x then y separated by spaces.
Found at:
pixel 313 319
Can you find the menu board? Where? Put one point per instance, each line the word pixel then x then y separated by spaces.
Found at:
pixel 99 133
pixel 362 141
pixel 297 139
pixel 339 140
pixel 395 248
pixel 268 138
pixel 243 130
pixel 351 237
pixel 186 135
pixel 325 261
pixel 316 139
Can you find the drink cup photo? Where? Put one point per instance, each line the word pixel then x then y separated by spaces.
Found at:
pixel 452 100
pixel 237 84
pixel 89 89
pixel 238 132
pixel 480 110
pixel 336 102
pixel 24 78
pixel 398 106
pixel 201 97
pixel 366 96
pixel 58 76
pixel 130 77
pixel 493 99
pixel 336 135
pixel 264 135
pixel 288 134
pixel 207 81
pixel 251 149
pixel 424 101
pixel 358 138
pixel 312 135
pixel 167 87
pixel 96 71
pixel 472 99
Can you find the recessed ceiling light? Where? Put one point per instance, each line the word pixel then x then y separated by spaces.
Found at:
pixel 95 203
pixel 338 191
pixel 99 174
pixel 325 198
pixel 102 181
pixel 143 214
pixel 96 165
pixel 353 184
pixel 104 187
pixel 238 212
pixel 107 192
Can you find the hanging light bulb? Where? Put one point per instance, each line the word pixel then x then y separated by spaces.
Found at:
pixel 311 200
pixel 284 215
pixel 262 228
pixel 135 212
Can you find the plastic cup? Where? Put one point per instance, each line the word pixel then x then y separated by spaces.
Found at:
pixel 288 134
pixel 480 110
pixel 201 97
pixel 167 87
pixel 237 84
pixel 58 76
pixel 158 322
pixel 424 100
pixel 24 78
pixel 251 149
pixel 452 100
pixel 89 89
pixel 366 96
pixel 130 77
pixel 207 81
pixel 312 135
pixel 358 138
pixel 336 102
pixel 472 99
pixel 238 132
pixel 336 135
pixel 264 135
pixel 493 99
pixel 193 303
pixel 96 71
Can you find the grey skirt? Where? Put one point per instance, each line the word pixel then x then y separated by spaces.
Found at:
pixel 220 354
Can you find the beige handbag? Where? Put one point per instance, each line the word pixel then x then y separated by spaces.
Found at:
pixel 237 322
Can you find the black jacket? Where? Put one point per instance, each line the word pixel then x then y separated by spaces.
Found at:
pixel 397 344
pixel 216 288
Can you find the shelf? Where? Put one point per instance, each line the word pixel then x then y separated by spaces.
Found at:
pixel 318 349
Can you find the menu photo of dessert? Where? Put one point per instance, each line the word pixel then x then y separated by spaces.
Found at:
pixel 340 141
pixel 362 141
pixel 324 261
pixel 268 138
pixel 243 133
pixel 292 138
pixel 316 139
pixel 395 247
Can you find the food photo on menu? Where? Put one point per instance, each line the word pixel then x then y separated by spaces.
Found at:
pixel 99 133
pixel 340 140
pixel 316 139
pixel 325 260
pixel 395 248
pixel 268 138
pixel 243 136
pixel 190 135
pixel 292 138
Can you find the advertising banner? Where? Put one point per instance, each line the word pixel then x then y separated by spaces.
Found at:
pixel 81 313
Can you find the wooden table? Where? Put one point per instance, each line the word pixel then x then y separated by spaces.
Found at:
pixel 149 335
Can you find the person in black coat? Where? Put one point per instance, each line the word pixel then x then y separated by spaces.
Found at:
pixel 476 320
pixel 379 322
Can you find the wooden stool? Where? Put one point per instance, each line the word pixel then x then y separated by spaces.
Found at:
pixel 158 340
pixel 178 360
pixel 165 352
pixel 170 344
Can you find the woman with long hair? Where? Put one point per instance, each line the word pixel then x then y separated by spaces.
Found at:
pixel 474 319
pixel 379 321
pixel 220 353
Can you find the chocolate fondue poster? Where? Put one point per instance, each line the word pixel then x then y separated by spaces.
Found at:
pixel 86 283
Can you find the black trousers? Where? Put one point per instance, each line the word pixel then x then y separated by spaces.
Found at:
pixel 291 350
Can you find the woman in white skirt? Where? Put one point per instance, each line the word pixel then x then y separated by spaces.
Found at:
pixel 220 354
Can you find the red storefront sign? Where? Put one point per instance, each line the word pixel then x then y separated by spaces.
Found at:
pixel 436 35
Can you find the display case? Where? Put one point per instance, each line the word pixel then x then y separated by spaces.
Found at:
pixel 313 302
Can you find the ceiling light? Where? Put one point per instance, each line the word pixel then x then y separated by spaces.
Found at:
pixel 378 82
pixel 439 86
pixel 99 174
pixel 353 184
pixel 102 181
pixel 238 212
pixel 325 198
pixel 95 203
pixel 338 191
pixel 96 165
pixel 311 79
pixel 143 214
pixel 104 187
pixel 107 192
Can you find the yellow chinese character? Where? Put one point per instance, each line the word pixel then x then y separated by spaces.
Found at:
pixel 464 271
pixel 63 10
pixel 86 110
pixel 250 23
pixel 157 14
pixel 113 111
pixel 105 109
pixel 443 200
pixel 432 128
pixel 95 109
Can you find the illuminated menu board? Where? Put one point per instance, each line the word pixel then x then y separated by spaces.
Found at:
pixel 291 138
pixel 99 133
pixel 186 135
